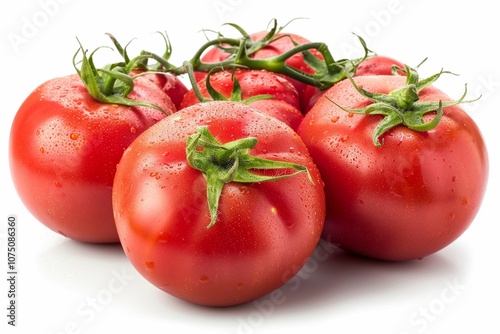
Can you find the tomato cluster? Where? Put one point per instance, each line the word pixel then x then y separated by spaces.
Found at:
pixel 220 191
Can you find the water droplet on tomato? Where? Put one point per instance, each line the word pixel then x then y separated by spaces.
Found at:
pixel 74 136
pixel 150 265
pixel 335 119
pixel 163 237
pixel 133 130
pixel 156 175
pixel 407 173
pixel 292 150
pixel 244 190
pixel 42 150
pixel 465 201
pixel 344 139
pixel 203 278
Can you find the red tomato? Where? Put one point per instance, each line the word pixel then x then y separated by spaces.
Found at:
pixel 64 148
pixel 406 199
pixel 284 104
pixel 264 230
pixel 281 43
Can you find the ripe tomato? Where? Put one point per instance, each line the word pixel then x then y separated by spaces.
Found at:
pixel 280 43
pixel 263 230
pixel 64 148
pixel 403 200
pixel 283 105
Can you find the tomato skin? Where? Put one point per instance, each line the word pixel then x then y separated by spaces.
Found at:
pixel 264 230
pixel 169 84
pixel 309 97
pixel 377 65
pixel 410 197
pixel 279 110
pixel 284 104
pixel 63 150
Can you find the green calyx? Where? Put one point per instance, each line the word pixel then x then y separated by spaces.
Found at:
pixel 402 106
pixel 236 93
pixel 230 162
pixel 110 84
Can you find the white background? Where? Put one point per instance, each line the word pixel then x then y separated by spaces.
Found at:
pixel 69 287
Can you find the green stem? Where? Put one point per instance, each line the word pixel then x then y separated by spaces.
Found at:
pixel 200 66
pixel 230 162
pixel 108 83
pixel 330 72
pixel 326 71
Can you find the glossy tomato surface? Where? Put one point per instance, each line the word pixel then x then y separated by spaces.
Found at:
pixel 377 65
pixel 169 84
pixel 64 148
pixel 264 232
pixel 406 199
